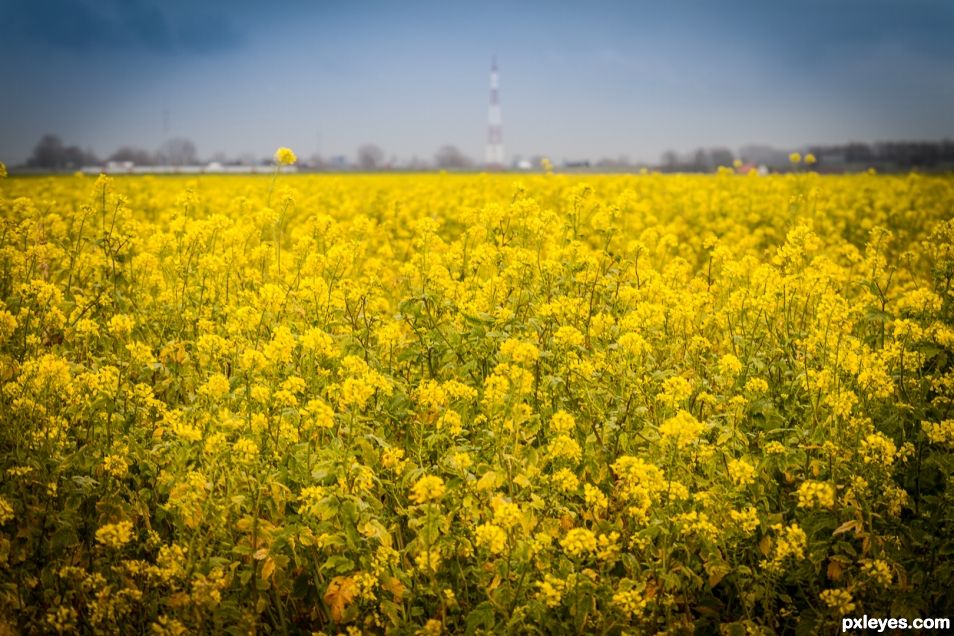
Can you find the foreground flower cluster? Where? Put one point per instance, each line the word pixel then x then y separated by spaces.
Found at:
pixel 474 403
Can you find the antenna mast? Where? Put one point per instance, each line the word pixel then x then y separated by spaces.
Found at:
pixel 494 157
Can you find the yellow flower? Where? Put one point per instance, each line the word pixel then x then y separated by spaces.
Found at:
pixel 430 395
pixel 747 519
pixel 279 350
pixel 568 336
pixel 427 488
pixel 756 386
pixel 630 601
pixel 115 466
pixel 121 325
pixel 458 390
pixel 216 387
pixel 252 360
pixel 564 480
pixel 492 537
pixel 551 590
pixel 317 341
pixel 461 460
pixel 6 511
pixel 180 427
pixel 520 352
pixel 878 570
pixel 8 324
pixel 559 346
pixel 633 344
pixel 167 626
pixel 450 421
pixel 682 428
pixel 697 523
pixel 795 158
pixel 140 353
pixel 355 392
pixel 3 170
pixel 115 535
pixel 579 541
pixel 392 458
pixel 729 365
pixel 245 449
pixel 608 547
pixel 595 498
pixel 311 498
pixel 321 414
pixel 285 157
pixel 362 480
pixel 939 432
pixel 791 543
pixel 878 448
pixel 506 513
pixel 565 447
pixel 741 472
pixel 562 422
pixel 675 390
pixel 839 600
pixel 428 561
pixel 816 494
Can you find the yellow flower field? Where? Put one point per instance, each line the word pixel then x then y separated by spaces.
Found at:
pixel 475 403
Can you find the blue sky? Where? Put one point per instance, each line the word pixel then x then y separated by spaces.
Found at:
pixel 578 80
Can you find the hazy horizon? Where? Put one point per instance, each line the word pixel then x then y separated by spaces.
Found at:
pixel 606 80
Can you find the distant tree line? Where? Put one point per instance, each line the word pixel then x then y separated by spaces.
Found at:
pixel 174 152
pixel 889 155
pixel 52 154
pixel 700 160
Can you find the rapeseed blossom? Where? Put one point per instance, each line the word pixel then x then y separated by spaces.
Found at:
pixel 285 157
pixel 115 535
pixel 473 401
pixel 682 428
pixel 813 494
pixel 551 590
pixel 839 600
pixel 6 511
pixel 492 537
pixel 427 488
pixel 747 519
pixel 741 472
pixel 579 542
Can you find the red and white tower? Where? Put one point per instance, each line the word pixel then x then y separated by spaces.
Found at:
pixel 495 153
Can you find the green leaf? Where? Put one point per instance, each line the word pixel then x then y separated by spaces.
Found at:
pixel 338 564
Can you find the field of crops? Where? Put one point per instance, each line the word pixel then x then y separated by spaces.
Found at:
pixel 475 403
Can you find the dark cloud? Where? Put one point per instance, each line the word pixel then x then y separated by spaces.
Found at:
pixel 70 25
pixel 146 25
pixel 118 25
pixel 206 33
